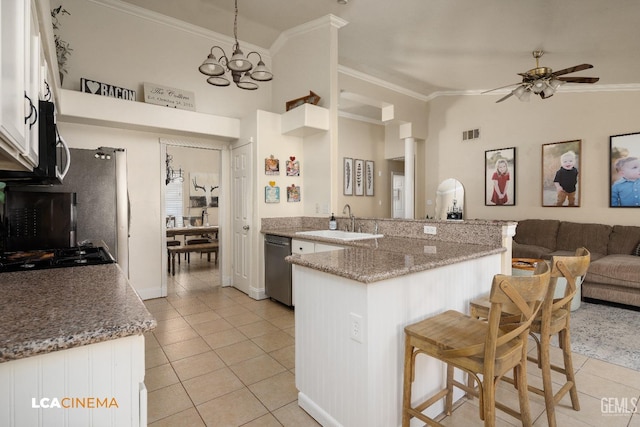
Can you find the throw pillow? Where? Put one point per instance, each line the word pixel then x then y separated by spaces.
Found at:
pixel 636 251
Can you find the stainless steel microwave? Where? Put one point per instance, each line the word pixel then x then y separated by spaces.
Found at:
pixel 53 158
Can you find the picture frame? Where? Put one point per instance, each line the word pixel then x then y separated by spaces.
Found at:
pixel 624 170
pixel 369 177
pixel 271 166
pixel 500 177
pixel 271 194
pixel 293 193
pixel 293 166
pixel 561 182
pixel 347 176
pixel 358 177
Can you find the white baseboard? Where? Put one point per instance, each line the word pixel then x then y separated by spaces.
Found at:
pixel 316 412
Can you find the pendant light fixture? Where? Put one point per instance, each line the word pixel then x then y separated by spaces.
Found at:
pixel 242 71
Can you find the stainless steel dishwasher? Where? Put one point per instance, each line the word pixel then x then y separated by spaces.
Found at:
pixel 277 271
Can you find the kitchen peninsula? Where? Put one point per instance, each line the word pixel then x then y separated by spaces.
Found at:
pixel 352 305
pixel 72 333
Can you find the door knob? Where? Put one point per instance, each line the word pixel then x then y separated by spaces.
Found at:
pixel 246 227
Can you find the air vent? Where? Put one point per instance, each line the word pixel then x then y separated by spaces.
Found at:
pixel 470 134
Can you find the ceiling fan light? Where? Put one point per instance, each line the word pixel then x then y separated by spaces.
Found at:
pixel 548 91
pixel 519 91
pixel 211 66
pixel 522 93
pixel 538 86
pixel 555 83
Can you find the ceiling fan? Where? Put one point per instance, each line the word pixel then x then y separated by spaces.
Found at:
pixel 544 81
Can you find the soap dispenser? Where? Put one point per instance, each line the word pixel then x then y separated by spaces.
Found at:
pixel 333 225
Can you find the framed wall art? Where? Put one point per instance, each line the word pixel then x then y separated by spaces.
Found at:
pixel 358 177
pixel 368 177
pixel 293 193
pixel 624 168
pixel 293 166
pixel 272 193
pixel 500 177
pixel 348 177
pixel 561 173
pixel 271 166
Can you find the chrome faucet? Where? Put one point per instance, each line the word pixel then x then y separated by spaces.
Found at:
pixel 351 216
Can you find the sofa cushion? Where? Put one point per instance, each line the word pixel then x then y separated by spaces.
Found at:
pixel 537 232
pixel 529 251
pixel 620 270
pixel 594 237
pixel 624 239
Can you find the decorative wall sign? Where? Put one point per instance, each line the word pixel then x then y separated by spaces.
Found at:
pixel 347 187
pixel 105 89
pixel 369 177
pixel 561 173
pixel 169 97
pixel 272 193
pixel 312 98
pixel 293 167
pixel 271 166
pixel 500 177
pixel 358 176
pixel 293 193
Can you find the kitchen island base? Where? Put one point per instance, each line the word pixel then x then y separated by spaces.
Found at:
pixel 99 384
pixel 350 338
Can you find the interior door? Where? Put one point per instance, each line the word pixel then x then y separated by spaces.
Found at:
pixel 242 194
pixel 397 196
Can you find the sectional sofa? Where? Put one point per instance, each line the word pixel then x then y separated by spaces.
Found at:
pixel 614 273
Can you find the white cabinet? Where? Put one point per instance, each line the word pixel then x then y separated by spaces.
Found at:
pixel 309 247
pixel 19 85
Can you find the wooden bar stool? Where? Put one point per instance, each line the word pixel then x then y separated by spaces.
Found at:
pixel 488 349
pixel 556 320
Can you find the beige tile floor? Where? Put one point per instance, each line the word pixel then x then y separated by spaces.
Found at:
pixel 220 358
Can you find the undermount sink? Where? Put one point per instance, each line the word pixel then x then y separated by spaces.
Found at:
pixel 339 234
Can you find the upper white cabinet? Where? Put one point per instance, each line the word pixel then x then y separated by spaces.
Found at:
pixel 305 120
pixel 20 76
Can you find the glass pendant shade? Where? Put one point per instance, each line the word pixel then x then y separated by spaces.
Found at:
pixel 238 62
pixel 548 90
pixel 261 73
pixel 538 86
pixel 218 81
pixel 246 83
pixel 211 66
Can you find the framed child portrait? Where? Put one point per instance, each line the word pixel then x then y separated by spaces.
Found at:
pixel 561 172
pixel 500 177
pixel 624 168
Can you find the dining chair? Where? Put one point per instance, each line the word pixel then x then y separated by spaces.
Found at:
pixel 485 350
pixel 554 321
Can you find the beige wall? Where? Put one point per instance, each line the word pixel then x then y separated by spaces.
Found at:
pixel 591 117
pixel 365 141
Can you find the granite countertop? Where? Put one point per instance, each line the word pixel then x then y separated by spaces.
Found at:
pixel 48 310
pixel 372 260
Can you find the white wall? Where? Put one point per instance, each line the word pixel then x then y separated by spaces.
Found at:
pixel 113 45
pixel 591 117
pixel 145 177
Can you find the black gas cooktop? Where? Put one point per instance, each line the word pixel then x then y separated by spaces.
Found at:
pixel 54 258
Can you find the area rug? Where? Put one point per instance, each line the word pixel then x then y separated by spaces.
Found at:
pixel 607 333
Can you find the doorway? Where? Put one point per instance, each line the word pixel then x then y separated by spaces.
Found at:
pixel 397 195
pixel 191 202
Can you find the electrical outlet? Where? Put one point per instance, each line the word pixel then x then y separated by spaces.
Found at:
pixel 429 229
pixel 355 327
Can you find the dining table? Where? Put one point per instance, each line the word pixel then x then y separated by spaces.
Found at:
pixel 193 231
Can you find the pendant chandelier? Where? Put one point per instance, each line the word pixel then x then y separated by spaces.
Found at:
pixel 242 71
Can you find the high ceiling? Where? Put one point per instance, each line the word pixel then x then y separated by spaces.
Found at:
pixel 429 46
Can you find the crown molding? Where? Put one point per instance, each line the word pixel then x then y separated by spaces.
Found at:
pixel 379 82
pixel 177 24
pixel 322 22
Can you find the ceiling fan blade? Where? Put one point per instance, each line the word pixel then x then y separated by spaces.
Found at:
pixel 501 87
pixel 579 79
pixel 572 69
pixel 505 97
